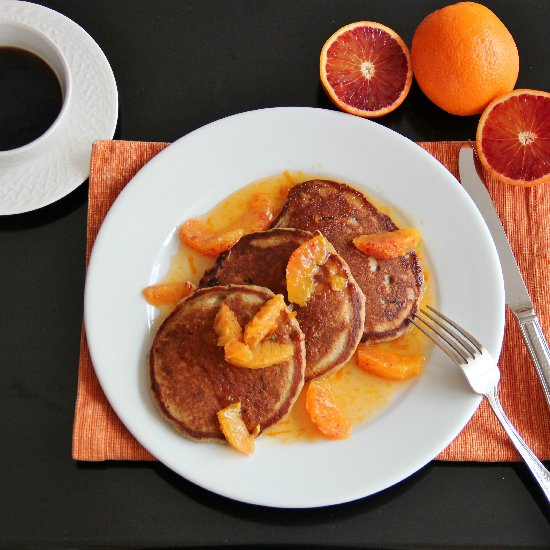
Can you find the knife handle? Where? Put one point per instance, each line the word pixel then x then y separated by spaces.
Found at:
pixel 537 345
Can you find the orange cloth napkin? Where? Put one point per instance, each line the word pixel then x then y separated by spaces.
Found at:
pixel 98 433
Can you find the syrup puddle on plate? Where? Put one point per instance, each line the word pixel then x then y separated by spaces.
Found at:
pixel 359 394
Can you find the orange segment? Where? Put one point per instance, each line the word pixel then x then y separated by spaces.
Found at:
pixel 324 411
pixel 302 266
pixel 388 245
pixel 265 354
pixel 234 429
pixel 389 364
pixel 196 235
pixel 252 353
pixel 259 214
pixel 237 353
pixel 258 217
pixel 226 325
pixel 513 138
pixel 265 321
pixel 366 69
pixel 168 294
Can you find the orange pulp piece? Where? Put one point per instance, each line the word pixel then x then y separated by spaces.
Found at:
pixel 302 266
pixel 365 69
pixel 324 412
pixel 168 294
pixel 226 325
pixel 259 214
pixel 513 138
pixel 196 235
pixel 199 237
pixel 265 321
pixel 337 277
pixel 234 429
pixel 388 245
pixel 237 353
pixel 252 353
pixel 263 355
pixel 388 364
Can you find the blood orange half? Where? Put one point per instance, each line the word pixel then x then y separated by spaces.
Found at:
pixel 366 69
pixel 513 138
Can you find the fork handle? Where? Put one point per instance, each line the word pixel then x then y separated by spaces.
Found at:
pixel 541 474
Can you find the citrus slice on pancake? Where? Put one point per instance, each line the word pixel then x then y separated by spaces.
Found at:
pixel 513 138
pixel 366 69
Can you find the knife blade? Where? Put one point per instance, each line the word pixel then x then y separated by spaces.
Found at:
pixel 516 294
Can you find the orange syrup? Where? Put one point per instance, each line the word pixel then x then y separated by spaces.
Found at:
pixel 359 394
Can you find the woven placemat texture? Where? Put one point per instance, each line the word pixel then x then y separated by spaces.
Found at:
pixel 98 434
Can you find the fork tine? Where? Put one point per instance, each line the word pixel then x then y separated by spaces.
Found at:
pixel 457 339
pixel 439 342
pixel 463 332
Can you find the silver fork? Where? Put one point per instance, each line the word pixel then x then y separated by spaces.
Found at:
pixel 483 375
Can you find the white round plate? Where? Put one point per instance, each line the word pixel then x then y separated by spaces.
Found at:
pixel 92 114
pixel 137 238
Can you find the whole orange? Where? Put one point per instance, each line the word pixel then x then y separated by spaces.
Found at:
pixel 463 57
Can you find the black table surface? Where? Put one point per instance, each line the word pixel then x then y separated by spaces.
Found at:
pixel 178 66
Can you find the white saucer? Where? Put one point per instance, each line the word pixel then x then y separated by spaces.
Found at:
pixel 92 114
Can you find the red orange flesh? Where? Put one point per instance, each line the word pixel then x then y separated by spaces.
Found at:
pixel 513 138
pixel 365 69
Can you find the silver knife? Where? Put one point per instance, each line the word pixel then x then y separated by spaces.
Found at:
pixel 516 294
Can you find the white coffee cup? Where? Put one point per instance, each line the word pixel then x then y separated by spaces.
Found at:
pixel 18 35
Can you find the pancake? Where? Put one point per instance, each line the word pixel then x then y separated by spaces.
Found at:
pixel 332 320
pixel 191 381
pixel 393 287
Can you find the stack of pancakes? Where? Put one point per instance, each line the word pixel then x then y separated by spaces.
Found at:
pixel 190 379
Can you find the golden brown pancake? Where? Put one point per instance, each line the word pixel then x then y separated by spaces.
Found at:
pixel 191 381
pixel 393 287
pixel 332 320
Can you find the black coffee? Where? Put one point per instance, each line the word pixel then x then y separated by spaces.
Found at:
pixel 30 97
